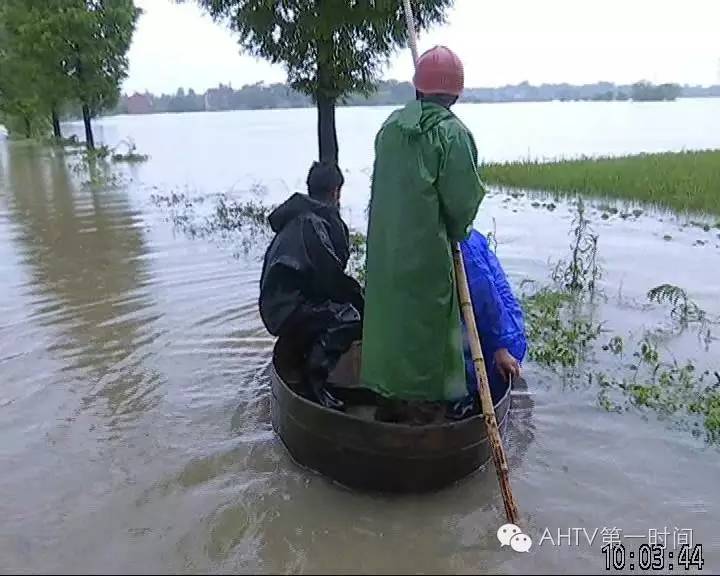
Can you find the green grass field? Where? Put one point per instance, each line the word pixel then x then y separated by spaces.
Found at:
pixel 680 181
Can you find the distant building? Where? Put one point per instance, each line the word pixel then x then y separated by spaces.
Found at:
pixel 140 104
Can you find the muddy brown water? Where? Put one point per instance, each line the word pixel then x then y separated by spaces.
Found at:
pixel 134 398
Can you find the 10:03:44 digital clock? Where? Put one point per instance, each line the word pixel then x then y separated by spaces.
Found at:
pixel 652 557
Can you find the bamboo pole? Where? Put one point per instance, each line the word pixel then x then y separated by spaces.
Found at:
pixel 498 452
pixel 412 36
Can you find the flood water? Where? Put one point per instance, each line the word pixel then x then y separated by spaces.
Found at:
pixel 134 398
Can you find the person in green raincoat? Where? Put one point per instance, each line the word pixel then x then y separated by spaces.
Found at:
pixel 425 194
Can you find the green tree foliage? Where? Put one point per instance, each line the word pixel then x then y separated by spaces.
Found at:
pixel 20 102
pixel 330 48
pixel 65 51
pixel 97 38
pixel 21 91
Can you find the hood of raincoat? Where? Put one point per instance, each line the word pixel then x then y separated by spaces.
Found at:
pixel 296 205
pixel 421 117
pixel 305 262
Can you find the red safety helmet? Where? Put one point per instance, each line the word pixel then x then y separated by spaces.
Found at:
pixel 439 71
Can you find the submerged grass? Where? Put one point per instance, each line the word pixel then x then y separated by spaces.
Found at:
pixel 681 181
pixel 243 221
pixel 230 220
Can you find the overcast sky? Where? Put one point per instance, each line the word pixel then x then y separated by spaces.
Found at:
pixel 499 41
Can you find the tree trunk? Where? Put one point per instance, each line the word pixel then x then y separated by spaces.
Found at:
pixel 326 95
pixel 89 140
pixel 56 124
pixel 28 126
pixel 327 135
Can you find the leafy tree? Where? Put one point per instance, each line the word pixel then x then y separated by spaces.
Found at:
pixel 41 47
pixel 330 48
pixel 19 101
pixel 56 51
pixel 97 36
pixel 21 91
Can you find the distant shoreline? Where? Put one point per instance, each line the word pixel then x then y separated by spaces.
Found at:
pixel 395 105
pixel 392 93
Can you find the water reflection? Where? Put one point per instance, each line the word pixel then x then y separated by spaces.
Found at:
pixel 84 247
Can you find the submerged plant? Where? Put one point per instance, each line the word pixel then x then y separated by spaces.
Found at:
pixel 667 387
pixel 559 321
pixel 69 142
pixel 615 345
pixel 581 272
pixel 236 216
pixel 92 168
pixel 357 265
pixel 560 335
pixel 246 222
pixel 707 405
pixel 99 153
pixel 492 237
pixel 684 310
pixel 131 155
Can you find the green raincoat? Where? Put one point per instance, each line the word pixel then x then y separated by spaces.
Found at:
pixel 425 193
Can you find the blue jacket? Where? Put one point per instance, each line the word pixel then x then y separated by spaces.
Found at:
pixel 498 315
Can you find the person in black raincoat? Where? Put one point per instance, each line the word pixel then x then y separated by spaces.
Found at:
pixel 305 294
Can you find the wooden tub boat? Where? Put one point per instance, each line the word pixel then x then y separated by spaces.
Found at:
pixel 359 452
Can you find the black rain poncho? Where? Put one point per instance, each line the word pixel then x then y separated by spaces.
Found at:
pixel 305 263
pixel 305 296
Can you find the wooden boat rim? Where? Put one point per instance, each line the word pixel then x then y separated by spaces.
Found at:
pixel 450 425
